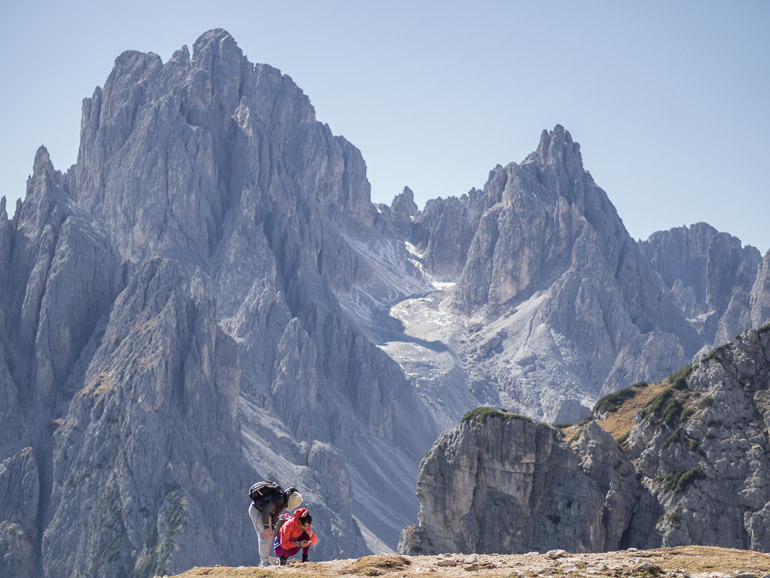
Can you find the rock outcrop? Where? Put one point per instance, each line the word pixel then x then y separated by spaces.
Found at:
pixel 691 469
pixel 702 448
pixel 500 483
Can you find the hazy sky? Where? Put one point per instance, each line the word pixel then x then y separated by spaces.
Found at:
pixel 670 100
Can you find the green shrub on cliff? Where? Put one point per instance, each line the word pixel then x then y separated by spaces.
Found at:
pixel 482 413
pixel 612 402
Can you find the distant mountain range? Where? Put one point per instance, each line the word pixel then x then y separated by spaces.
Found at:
pixel 209 297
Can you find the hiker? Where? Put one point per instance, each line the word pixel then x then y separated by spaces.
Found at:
pixel 295 535
pixel 268 500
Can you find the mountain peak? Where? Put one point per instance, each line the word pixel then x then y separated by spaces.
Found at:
pixel 557 146
pixel 404 203
pixel 43 167
pixel 216 43
pixel 42 161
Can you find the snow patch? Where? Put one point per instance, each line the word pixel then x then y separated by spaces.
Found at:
pixel 417 258
pixel 412 250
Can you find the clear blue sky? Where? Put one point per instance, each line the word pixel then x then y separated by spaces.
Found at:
pixel 670 100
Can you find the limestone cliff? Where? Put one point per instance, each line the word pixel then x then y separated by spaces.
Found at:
pixel 501 483
pixel 548 284
pixel 690 468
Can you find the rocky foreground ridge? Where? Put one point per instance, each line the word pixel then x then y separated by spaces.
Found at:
pixel 209 297
pixel 680 562
pixel 689 464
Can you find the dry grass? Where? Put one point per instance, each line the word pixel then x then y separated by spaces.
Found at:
pixel 620 422
pixel 680 561
pixel 698 559
pixel 378 565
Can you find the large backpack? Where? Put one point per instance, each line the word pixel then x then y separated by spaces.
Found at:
pixel 262 489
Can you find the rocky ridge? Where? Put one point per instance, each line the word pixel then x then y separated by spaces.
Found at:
pixel 710 275
pixel 681 562
pixel 691 458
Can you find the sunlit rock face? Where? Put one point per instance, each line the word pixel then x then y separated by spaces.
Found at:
pixel 504 484
pixel 550 286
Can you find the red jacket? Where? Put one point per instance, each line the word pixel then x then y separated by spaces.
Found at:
pixel 291 531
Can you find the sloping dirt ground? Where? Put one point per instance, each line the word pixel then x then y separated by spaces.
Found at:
pixel 693 561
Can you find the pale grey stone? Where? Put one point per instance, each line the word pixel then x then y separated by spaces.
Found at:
pixel 506 485
pixel 711 277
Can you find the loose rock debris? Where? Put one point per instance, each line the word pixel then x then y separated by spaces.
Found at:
pixel 679 562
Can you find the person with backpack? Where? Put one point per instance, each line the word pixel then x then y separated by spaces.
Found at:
pixel 268 500
pixel 295 535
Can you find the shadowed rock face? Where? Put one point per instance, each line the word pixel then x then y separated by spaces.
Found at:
pixel 209 297
pixel 693 470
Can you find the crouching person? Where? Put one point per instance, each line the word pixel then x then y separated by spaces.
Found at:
pixel 268 500
pixel 295 535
